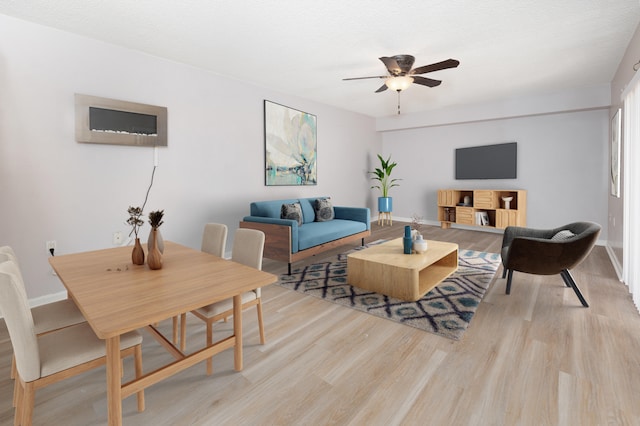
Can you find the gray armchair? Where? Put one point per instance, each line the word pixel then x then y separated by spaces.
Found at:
pixel 548 251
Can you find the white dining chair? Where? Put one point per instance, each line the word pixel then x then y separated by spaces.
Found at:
pixel 54 356
pixel 248 247
pixel 214 241
pixel 48 317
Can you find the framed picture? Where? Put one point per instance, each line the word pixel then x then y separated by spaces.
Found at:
pixel 290 140
pixel 615 154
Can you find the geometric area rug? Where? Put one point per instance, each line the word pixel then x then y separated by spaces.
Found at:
pixel 446 310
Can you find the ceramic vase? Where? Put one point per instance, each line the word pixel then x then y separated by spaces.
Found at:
pixel 159 241
pixel 137 255
pixel 406 240
pixel 154 259
pixel 419 245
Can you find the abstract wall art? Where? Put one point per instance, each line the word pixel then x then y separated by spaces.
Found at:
pixel 615 154
pixel 290 139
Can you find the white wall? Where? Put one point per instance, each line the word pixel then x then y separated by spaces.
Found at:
pixel 623 76
pixel 53 188
pixel 561 163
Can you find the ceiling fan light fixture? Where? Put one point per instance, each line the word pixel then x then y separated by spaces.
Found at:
pixel 399 83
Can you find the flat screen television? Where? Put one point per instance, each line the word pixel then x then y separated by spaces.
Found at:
pixel 487 162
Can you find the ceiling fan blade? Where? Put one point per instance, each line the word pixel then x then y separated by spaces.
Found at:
pixel 391 65
pixel 449 63
pixel 382 88
pixel 362 78
pixel 426 81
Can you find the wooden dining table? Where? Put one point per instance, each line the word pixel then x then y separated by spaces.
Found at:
pixel 117 296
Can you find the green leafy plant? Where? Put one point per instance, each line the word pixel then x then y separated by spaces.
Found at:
pixel 155 218
pixel 382 175
pixel 134 219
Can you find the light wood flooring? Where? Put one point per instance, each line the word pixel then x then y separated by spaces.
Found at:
pixel 535 357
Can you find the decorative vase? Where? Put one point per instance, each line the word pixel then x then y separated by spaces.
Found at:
pixel 407 241
pixel 154 260
pixel 507 202
pixel 385 204
pixel 419 245
pixel 159 241
pixel 137 255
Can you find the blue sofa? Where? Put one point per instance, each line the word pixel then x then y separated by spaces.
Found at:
pixel 286 241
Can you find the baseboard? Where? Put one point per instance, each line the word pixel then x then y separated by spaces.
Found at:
pixel 614 261
pixel 487 229
pixel 42 300
pixel 457 225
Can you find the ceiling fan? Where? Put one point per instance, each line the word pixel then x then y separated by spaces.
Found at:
pixel 400 75
pixel 399 66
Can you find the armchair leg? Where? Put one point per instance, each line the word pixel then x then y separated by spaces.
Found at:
pixel 289 269
pixel 510 276
pixel 568 279
pixel 504 272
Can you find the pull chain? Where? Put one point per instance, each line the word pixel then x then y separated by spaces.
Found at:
pixel 398 102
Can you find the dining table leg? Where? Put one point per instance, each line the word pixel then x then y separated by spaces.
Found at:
pixel 114 374
pixel 237 331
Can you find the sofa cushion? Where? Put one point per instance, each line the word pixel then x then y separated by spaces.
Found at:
pixel 270 208
pixel 308 214
pixel 324 210
pixel 565 234
pixel 291 211
pixel 316 233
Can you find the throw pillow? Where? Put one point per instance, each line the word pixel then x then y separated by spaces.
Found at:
pixel 291 211
pixel 565 234
pixel 324 210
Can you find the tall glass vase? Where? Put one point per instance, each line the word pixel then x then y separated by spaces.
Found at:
pixel 137 255
pixel 154 260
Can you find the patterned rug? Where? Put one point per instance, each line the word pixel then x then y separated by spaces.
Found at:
pixel 446 310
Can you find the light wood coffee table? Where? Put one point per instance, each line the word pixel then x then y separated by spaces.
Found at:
pixel 385 269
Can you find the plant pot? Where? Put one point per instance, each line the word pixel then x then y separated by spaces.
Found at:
pixel 385 204
pixel 154 260
pixel 137 255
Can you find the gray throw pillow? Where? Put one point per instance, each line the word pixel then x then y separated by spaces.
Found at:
pixel 324 210
pixel 565 234
pixel 292 211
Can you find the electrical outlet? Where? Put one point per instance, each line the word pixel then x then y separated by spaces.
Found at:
pixel 51 245
pixel 117 238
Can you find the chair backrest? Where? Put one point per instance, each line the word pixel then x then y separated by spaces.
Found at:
pixel 579 247
pixel 7 253
pixel 534 252
pixel 248 246
pixel 214 239
pixel 17 316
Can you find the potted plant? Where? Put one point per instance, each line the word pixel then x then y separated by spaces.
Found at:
pixel 416 225
pixel 382 175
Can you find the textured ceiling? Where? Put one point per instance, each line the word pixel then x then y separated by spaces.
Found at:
pixel 506 48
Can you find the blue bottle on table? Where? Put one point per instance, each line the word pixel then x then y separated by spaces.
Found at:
pixel 407 241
